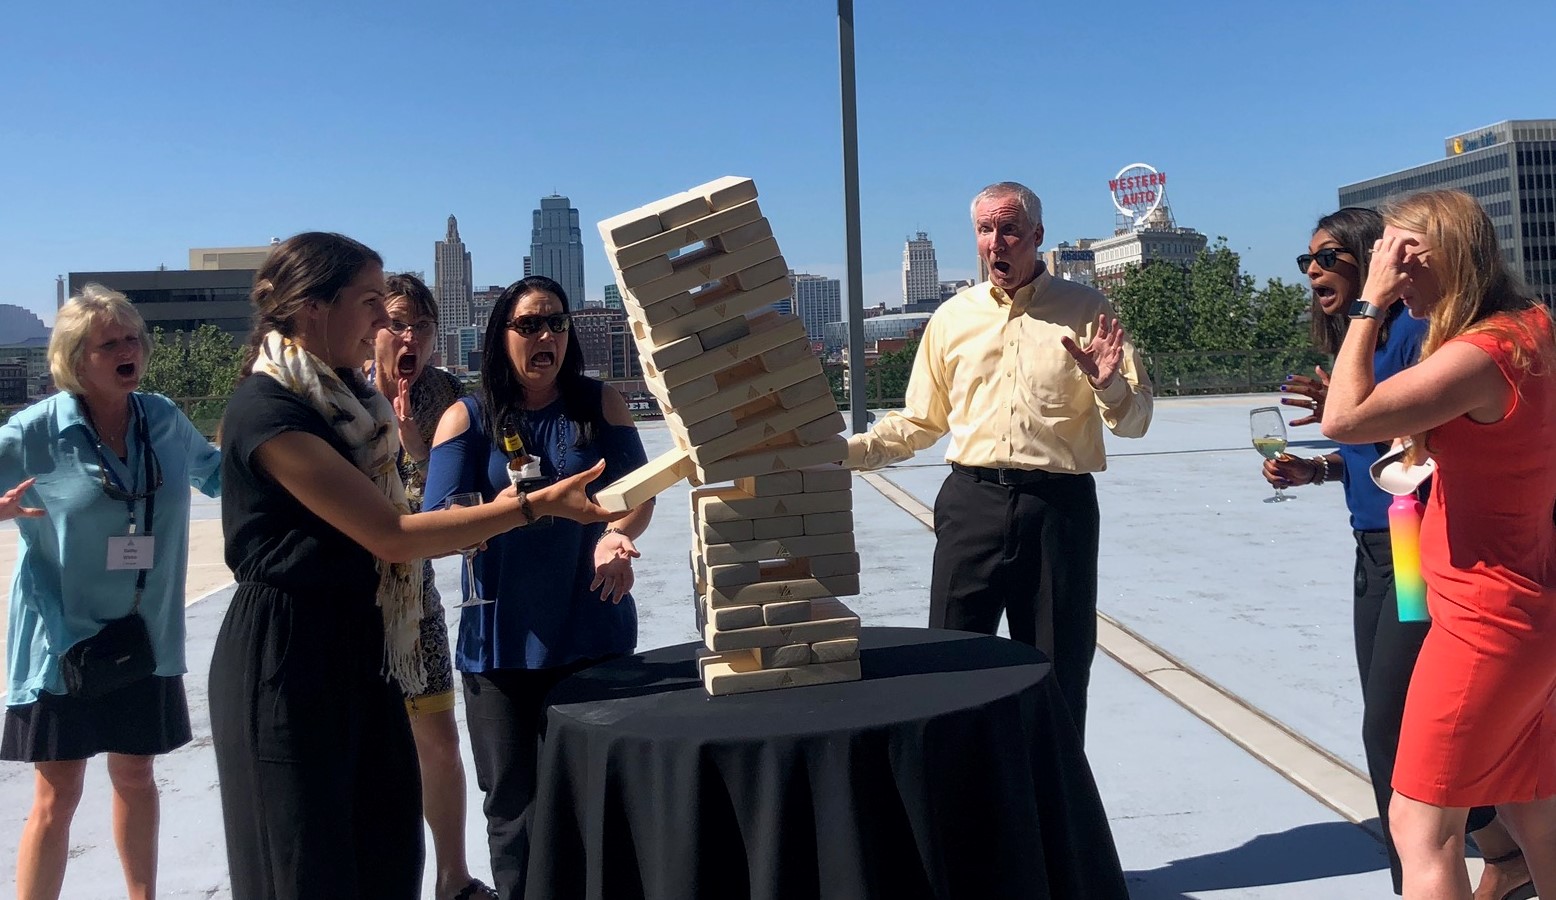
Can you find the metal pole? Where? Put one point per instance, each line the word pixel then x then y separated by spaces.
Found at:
pixel 845 49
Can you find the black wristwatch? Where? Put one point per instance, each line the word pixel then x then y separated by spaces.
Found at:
pixel 1361 309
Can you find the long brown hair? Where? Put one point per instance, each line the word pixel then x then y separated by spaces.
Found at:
pixel 1480 294
pixel 314 265
pixel 1355 228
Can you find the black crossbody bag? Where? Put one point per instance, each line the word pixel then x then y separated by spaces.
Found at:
pixel 120 654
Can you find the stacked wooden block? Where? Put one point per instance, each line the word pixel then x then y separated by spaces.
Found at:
pixel 746 401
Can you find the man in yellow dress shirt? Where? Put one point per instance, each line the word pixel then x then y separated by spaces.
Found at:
pixel 1023 370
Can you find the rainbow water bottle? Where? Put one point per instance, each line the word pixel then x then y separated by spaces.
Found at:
pixel 1405 540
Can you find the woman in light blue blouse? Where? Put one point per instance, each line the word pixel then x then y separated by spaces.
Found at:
pixel 80 472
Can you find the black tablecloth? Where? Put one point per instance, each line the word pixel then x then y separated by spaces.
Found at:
pixel 950 771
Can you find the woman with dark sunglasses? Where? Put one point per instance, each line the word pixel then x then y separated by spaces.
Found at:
pixel 560 591
pixel 97 477
pixel 1336 265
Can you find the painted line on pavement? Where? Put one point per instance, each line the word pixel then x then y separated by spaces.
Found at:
pixel 1322 775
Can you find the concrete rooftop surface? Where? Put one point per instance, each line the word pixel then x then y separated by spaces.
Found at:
pixel 1225 721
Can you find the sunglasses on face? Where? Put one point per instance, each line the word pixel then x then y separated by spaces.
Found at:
pixel 422 329
pixel 1327 258
pixel 527 325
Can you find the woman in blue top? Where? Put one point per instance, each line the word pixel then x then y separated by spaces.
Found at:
pixel 80 472
pixel 559 590
pixel 1386 648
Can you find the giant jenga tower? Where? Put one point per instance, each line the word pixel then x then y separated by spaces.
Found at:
pixel 746 401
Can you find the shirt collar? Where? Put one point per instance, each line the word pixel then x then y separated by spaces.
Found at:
pixel 1027 293
pixel 67 412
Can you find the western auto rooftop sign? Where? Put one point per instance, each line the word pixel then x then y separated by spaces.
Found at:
pixel 1137 189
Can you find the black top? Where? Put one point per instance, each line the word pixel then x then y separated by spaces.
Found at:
pixel 271 538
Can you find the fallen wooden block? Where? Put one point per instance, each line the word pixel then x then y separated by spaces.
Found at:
pixel 737 676
pixel 645 482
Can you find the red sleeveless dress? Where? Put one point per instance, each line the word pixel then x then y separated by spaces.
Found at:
pixel 1480 719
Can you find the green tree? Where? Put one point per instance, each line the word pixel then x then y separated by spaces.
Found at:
pixel 1152 304
pixel 1278 316
pixel 201 363
pixel 890 373
pixel 1220 301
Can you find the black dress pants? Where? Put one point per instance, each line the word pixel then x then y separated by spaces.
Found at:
pixel 503 715
pixel 1030 552
pixel 320 788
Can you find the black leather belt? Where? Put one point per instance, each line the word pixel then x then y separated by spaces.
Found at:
pixel 1009 477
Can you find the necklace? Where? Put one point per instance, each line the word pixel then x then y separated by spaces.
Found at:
pixel 560 462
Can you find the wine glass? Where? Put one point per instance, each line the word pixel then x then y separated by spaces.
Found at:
pixel 460 501
pixel 1268 428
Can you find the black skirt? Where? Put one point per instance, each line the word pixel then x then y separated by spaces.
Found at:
pixel 146 718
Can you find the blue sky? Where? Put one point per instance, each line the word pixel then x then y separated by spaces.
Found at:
pixel 134 131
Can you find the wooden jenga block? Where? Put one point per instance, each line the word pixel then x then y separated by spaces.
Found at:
pixel 707 429
pixel 724 504
pixel 693 233
pixel 743 236
pixel 783 657
pixel 774 485
pixel 760 274
pixel 749 434
pixel 744 390
pixel 723 677
pixel 778 548
pixel 663 356
pixel 649 283
pixel 835 651
pixel 723 333
pixel 784 611
pixel 726 532
pixel 645 482
pixel 707 308
pixel 823 523
pixel 718 194
pixel 828 621
pixel 781 527
pixel 788 589
pixel 827 478
pixel 769 330
pixel 757 462
pixel 835 564
pixel 729 618
pixel 630 227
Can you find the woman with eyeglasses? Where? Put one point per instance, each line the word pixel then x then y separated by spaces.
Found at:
pixel 420 393
pixel 97 478
pixel 321 794
pixel 560 591
pixel 1336 265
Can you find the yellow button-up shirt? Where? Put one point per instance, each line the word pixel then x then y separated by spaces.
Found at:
pixel 991 370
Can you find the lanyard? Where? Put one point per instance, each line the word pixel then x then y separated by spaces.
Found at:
pixel 153 479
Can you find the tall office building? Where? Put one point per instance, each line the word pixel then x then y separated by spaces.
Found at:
pixel 592 328
pixel 613 296
pixel 482 303
pixel 1510 168
pixel 556 247
pixel 454 288
pixel 817 301
pixel 920 275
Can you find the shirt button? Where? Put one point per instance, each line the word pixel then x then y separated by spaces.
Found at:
pixel 1003 439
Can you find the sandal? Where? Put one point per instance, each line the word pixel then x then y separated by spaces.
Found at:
pixel 1524 891
pixel 480 890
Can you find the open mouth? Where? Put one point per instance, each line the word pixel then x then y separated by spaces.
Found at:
pixel 126 370
pixel 407 365
pixel 1001 267
pixel 542 359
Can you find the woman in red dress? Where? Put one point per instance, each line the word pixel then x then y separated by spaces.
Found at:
pixel 1479 725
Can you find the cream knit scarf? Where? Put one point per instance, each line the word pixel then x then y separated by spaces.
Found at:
pixel 368 428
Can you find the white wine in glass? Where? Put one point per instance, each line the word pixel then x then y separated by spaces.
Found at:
pixel 473 595
pixel 1268 428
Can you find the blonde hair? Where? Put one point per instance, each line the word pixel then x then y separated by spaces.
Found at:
pixel 1480 294
pixel 73 327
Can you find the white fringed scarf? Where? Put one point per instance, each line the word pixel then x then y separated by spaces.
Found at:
pixel 368 428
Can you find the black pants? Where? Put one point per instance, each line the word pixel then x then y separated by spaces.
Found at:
pixel 503 712
pixel 320 788
pixel 1031 553
pixel 1386 651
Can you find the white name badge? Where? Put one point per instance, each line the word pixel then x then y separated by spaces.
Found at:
pixel 133 551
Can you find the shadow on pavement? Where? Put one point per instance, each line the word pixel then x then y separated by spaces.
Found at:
pixel 1306 853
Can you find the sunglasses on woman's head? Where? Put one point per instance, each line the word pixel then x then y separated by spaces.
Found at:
pixel 1327 258
pixel 557 322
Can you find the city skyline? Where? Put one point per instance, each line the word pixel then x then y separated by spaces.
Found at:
pixel 128 172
